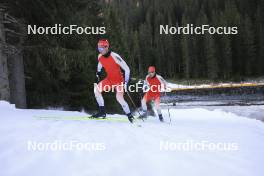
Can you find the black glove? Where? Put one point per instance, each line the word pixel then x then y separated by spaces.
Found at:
pixel 98 77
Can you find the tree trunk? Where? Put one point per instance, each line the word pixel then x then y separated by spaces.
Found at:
pixel 4 82
pixel 17 79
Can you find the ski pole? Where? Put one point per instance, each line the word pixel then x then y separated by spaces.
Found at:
pixel 168 107
pixel 134 105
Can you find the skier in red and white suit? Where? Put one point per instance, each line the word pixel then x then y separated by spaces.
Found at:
pixel 155 84
pixel 112 64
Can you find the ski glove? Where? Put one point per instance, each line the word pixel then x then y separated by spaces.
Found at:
pixel 98 77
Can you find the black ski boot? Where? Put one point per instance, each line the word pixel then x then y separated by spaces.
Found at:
pixel 130 117
pixel 161 118
pixel 101 113
pixel 143 115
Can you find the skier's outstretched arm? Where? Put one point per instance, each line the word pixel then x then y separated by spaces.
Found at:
pixel 146 85
pixel 122 64
pixel 163 81
pixel 99 69
pixel 99 65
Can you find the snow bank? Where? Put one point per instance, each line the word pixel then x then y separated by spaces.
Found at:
pixel 6 105
pixel 128 150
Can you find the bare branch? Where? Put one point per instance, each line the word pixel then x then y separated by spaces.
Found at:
pixel 8 17
pixel 14 32
pixel 9 49
pixel 3 7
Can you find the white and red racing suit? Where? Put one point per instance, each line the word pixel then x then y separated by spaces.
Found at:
pixel 155 85
pixel 113 64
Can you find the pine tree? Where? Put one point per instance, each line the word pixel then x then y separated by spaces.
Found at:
pixel 225 50
pixel 210 55
pixel 249 47
pixel 186 54
pixel 260 38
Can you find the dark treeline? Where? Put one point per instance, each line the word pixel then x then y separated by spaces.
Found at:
pixel 60 69
pixel 193 56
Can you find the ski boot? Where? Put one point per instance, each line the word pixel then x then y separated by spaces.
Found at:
pixel 101 113
pixel 130 117
pixel 161 118
pixel 143 115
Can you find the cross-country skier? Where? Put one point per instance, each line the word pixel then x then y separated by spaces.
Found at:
pixel 112 64
pixel 155 84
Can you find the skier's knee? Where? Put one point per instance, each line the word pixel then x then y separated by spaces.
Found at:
pixel 143 102
pixel 120 99
pixel 96 91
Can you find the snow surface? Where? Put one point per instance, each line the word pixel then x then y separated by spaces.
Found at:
pixel 130 150
pixel 251 111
